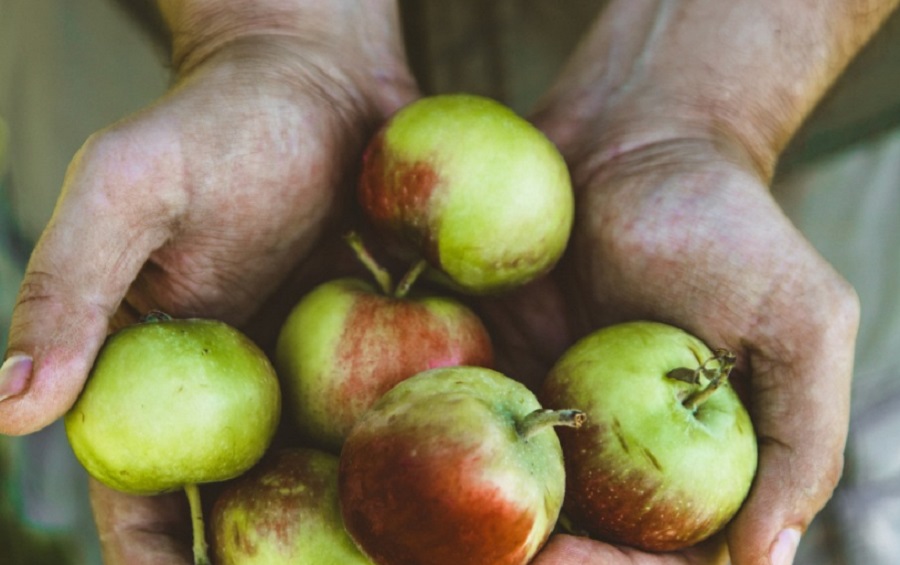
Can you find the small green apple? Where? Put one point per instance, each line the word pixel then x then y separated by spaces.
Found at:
pixel 171 404
pixel 669 452
pixel 284 511
pixel 471 186
pixel 458 465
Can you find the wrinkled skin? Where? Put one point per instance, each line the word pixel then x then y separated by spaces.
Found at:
pixel 226 197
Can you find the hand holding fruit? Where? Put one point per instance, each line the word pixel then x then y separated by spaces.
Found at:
pixel 198 206
pixel 685 231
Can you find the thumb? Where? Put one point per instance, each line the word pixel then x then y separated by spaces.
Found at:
pixel 801 411
pixel 110 216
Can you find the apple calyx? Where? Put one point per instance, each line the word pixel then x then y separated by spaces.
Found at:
pixel 544 417
pixel 381 275
pixel 155 316
pixel 714 376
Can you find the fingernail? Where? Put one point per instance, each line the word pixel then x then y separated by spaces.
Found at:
pixel 785 547
pixel 14 375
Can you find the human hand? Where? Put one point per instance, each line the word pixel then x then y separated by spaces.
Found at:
pixel 201 205
pixel 672 128
pixel 684 231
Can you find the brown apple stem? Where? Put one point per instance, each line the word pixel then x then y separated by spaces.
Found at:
pixel 716 377
pixel 201 555
pixel 382 276
pixel 543 418
pixel 410 278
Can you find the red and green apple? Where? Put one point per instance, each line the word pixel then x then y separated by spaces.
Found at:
pixel 668 453
pixel 472 187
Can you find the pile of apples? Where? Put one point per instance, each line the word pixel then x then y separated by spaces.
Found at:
pixel 407 446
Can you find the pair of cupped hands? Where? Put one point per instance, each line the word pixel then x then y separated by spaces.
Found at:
pixel 227 198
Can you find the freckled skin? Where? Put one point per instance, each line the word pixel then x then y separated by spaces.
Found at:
pixel 346 344
pixel 436 474
pixel 283 512
pixel 645 471
pixel 397 196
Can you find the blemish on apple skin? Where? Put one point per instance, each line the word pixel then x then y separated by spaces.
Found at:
pixel 653 460
pixel 620 435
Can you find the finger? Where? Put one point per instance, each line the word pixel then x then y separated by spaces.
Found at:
pixel 576 550
pixel 141 530
pixel 800 406
pixel 114 210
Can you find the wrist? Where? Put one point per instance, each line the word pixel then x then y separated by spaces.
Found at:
pixel 746 71
pixel 364 37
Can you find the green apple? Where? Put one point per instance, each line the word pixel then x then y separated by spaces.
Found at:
pixel 284 511
pixel 472 187
pixel 170 404
pixel 347 342
pixel 669 452
pixel 458 465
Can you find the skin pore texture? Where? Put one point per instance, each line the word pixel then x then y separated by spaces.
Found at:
pixel 671 116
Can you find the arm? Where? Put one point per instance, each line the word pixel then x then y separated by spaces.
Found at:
pixel 751 70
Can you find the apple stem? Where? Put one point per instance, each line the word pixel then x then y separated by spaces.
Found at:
pixel 409 278
pixel 543 418
pixel 717 376
pixel 201 555
pixel 382 276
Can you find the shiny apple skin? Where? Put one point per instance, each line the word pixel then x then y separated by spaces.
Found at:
pixel 466 183
pixel 645 470
pixel 437 473
pixel 172 403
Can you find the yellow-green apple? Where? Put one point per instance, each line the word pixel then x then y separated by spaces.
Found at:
pixel 284 511
pixel 170 404
pixel 668 453
pixel 347 342
pixel 472 187
pixel 458 465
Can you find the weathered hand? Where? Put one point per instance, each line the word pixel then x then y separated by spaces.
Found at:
pixel 200 205
pixel 684 231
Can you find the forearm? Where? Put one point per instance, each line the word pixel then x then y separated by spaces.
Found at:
pixel 751 69
pixel 200 27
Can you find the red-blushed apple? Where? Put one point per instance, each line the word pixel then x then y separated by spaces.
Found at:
pixel 668 453
pixel 347 342
pixel 171 404
pixel 458 465
pixel 471 186
pixel 284 511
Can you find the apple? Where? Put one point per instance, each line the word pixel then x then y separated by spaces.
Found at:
pixel 669 452
pixel 472 187
pixel 457 465
pixel 347 342
pixel 170 404
pixel 284 511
